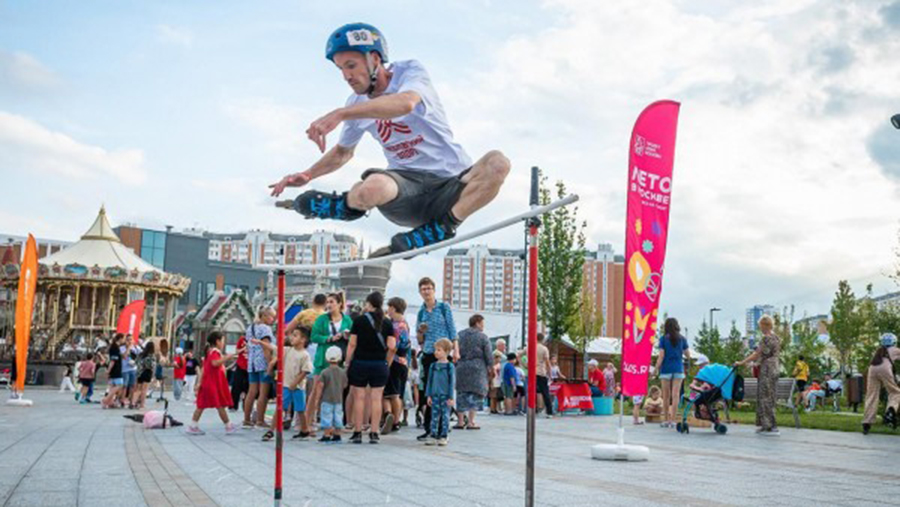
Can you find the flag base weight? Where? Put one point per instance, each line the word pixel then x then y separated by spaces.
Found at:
pixel 620 451
pixel 19 402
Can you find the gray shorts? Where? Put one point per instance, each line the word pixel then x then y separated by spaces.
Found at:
pixel 422 196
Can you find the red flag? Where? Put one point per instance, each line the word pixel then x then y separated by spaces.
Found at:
pixel 28 274
pixel 130 319
pixel 650 161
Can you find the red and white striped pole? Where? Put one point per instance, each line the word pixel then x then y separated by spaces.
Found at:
pixel 533 224
pixel 279 383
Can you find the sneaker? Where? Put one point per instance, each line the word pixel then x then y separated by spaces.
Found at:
pixel 770 433
pixel 431 441
pixel 194 430
pixel 423 437
pixel 302 436
pixel 230 429
pixel 374 438
pixel 866 428
pixel 335 439
pixel 388 424
pixel 247 426
pixel 326 439
pixel 426 234
pixel 890 417
pixel 77 395
pixel 442 442
pixel 396 428
pixel 322 205
pixel 356 438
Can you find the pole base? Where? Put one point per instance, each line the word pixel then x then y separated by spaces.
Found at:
pixel 19 402
pixel 620 452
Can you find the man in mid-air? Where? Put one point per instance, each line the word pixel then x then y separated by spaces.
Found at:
pixel 430 184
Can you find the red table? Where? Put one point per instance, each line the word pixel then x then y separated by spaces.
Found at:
pixel 572 395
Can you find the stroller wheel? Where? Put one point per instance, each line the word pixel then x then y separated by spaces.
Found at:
pixel 721 429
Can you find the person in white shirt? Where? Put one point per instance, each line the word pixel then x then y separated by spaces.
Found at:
pixel 430 183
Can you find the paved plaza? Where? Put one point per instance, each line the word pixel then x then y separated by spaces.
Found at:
pixel 59 453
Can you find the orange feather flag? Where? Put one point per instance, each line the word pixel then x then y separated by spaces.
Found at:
pixel 24 308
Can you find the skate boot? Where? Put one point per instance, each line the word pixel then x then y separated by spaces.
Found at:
pixel 424 235
pixel 322 205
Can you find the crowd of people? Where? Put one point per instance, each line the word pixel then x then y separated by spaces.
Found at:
pixel 361 370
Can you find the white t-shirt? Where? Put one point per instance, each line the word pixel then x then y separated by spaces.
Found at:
pixel 421 140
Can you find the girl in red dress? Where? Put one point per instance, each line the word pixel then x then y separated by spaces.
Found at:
pixel 213 391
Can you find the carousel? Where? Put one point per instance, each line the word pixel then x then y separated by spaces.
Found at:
pixel 82 289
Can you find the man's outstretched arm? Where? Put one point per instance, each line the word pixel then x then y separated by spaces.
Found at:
pixel 384 107
pixel 333 160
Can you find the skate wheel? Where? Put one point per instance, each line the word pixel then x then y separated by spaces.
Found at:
pixel 721 429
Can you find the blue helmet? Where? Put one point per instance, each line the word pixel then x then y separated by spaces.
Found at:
pixel 888 340
pixel 360 37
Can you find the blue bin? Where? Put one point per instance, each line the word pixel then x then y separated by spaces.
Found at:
pixel 603 405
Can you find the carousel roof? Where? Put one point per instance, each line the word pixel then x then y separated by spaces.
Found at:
pixel 100 246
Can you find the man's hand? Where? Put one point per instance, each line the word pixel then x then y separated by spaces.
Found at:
pixel 322 127
pixel 429 401
pixel 291 180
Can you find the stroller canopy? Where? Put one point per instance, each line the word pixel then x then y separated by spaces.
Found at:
pixel 720 376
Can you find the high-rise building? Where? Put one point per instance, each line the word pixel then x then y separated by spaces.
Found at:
pixel 483 279
pixel 262 247
pixel 754 314
pixel 479 278
pixel 604 275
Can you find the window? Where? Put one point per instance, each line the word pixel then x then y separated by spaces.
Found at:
pixel 153 248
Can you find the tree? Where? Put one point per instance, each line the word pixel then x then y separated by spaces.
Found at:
pixel 586 324
pixel 560 262
pixel 733 349
pixel 844 328
pixel 868 341
pixel 709 343
pixel 805 343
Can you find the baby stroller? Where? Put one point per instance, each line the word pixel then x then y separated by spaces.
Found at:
pixel 721 380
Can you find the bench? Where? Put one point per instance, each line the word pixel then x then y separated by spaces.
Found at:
pixel 784 394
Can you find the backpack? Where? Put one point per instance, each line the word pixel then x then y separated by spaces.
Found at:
pixel 377 331
pixel 737 391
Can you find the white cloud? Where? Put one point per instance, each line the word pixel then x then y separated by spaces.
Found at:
pixel 28 145
pixel 773 180
pixel 21 71
pixel 177 36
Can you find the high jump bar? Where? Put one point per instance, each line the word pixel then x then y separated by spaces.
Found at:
pixel 533 212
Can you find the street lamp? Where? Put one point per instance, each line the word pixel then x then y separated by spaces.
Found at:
pixel 895 120
pixel 711 310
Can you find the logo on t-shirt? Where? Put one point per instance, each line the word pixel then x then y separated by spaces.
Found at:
pixel 388 127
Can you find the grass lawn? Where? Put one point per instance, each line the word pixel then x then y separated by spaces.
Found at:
pixel 817 420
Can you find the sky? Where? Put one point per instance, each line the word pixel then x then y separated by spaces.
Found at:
pixel 787 170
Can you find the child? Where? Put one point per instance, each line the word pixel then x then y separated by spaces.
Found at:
pixel 114 367
pixel 653 405
pixel 520 388
pixel 555 373
pixel 87 371
pixel 297 366
pixel 495 393
pixel 510 376
pixel 213 392
pixel 333 381
pixel 178 373
pixel 146 363
pixel 66 383
pixel 441 392
pixel 190 375
pixel 398 369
